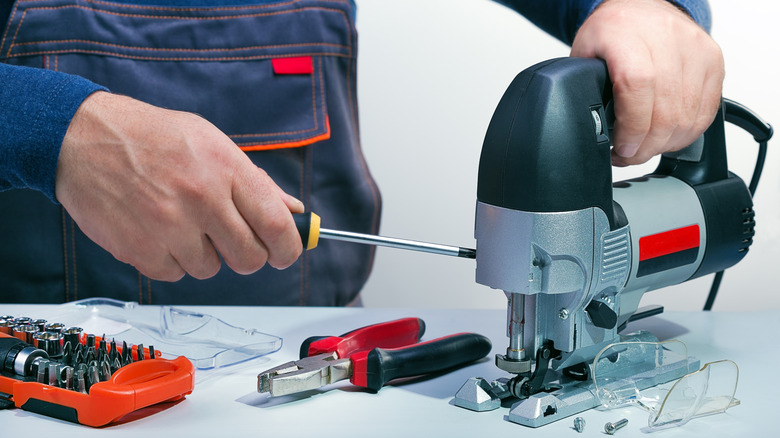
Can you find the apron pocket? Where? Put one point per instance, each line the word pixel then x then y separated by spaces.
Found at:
pixel 260 104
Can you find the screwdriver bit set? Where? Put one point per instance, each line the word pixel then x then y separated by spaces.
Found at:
pixel 63 372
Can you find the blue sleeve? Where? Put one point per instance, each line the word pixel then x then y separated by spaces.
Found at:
pixel 562 18
pixel 36 107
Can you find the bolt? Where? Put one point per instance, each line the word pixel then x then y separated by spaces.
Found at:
pixel 563 314
pixel 579 424
pixel 611 428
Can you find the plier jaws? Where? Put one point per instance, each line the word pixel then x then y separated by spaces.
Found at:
pixel 304 374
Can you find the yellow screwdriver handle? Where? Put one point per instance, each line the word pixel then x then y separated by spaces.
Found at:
pixel 308 225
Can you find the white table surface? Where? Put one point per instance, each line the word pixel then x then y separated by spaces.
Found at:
pixel 225 402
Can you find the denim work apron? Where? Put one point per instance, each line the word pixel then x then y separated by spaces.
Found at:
pixel 277 77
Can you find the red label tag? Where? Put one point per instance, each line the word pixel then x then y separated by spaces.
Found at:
pixel 668 242
pixel 300 65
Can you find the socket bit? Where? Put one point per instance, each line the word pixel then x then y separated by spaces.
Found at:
pixel 73 335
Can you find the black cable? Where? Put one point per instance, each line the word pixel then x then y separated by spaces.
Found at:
pixel 746 119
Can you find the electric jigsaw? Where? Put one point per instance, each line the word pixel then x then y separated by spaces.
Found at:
pixel 573 252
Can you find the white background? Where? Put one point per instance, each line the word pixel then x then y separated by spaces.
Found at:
pixel 430 74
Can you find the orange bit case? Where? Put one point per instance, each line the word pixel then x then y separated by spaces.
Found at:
pixel 132 387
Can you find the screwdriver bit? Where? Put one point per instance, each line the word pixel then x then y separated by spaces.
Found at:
pixel 54 373
pixel 82 383
pixel 67 354
pixel 112 354
pixel 43 370
pixel 116 364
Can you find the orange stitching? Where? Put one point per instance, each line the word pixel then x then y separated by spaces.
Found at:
pixel 161 8
pixel 153 58
pixel 11 20
pixel 21 20
pixel 165 17
pixel 16 33
pixel 273 145
pixel 158 49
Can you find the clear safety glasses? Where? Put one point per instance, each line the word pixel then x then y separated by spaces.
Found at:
pixel 629 373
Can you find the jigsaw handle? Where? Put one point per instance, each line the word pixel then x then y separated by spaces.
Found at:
pixel 547 147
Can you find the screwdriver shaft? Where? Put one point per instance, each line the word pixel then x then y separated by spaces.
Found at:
pixel 392 242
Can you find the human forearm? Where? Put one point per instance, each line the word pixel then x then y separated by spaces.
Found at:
pixel 36 107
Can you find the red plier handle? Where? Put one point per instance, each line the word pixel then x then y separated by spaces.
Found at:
pixel 391 334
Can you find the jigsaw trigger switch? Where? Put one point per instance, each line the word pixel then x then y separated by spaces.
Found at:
pixel 601 314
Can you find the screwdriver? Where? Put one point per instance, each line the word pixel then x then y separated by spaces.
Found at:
pixel 309 228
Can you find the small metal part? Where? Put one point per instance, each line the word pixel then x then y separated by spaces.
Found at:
pixel 112 353
pixel 151 352
pixel 563 314
pixel 78 358
pixel 22 320
pixel 54 373
pixel 515 327
pixel 579 424
pixel 55 327
pixel 611 428
pixel 127 357
pixel 105 371
pixel 140 352
pixel 116 364
pixel 67 354
pixel 26 333
pixel 73 335
pixel 81 385
pixel 66 375
pixel 39 324
pixel 103 347
pixel 43 370
pixel 90 341
pixel 49 342
pixel 7 326
pixel 93 376
pixel 512 366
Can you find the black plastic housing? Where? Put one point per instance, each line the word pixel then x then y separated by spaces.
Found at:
pixel 542 152
pixel 724 197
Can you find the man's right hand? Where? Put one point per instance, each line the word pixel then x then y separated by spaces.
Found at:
pixel 168 192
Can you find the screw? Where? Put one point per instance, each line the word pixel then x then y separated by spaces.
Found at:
pixel 563 314
pixel 579 424
pixel 611 428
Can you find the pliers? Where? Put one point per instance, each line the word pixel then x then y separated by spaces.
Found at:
pixel 372 356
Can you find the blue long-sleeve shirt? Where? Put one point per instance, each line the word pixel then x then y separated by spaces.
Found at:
pixel 37 105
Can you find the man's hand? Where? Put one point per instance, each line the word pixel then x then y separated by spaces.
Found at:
pixel 666 72
pixel 166 191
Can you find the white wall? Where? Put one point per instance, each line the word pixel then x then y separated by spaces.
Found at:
pixel 430 75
